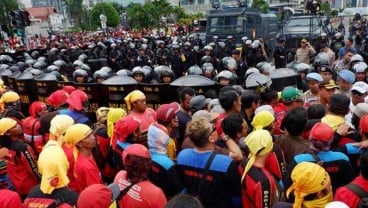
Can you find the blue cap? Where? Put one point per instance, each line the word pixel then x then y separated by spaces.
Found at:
pixel 314 76
pixel 347 75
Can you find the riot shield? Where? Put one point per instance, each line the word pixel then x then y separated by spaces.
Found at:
pixel 156 94
pixel 285 77
pixel 93 91
pixel 96 64
pixel 46 84
pixel 115 89
pixel 26 88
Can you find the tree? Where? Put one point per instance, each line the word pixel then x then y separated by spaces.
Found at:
pixel 261 5
pixel 5 8
pixel 118 7
pixel 74 10
pixel 113 18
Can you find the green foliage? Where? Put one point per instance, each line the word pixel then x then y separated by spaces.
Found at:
pixel 325 8
pixel 261 5
pixel 150 14
pixel 74 9
pixel 118 7
pixel 334 12
pixel 113 18
pixel 5 8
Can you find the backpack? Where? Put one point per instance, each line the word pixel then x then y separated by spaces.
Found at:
pixel 363 195
pixel 45 203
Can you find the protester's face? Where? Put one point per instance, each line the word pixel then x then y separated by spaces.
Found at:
pixel 175 122
pixel 186 102
pixel 15 131
pixel 357 97
pixel 345 86
pixel 348 56
pixel 140 105
pixel 88 142
pixel 313 85
pixel 326 76
pixel 237 104
pixel 325 94
pixel 360 76
pixel 244 130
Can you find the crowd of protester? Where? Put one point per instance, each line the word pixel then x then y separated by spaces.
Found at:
pixel 301 147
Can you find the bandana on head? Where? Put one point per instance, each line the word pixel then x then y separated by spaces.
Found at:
pixel 75 134
pixel 36 107
pixel 123 128
pixel 8 97
pixel 101 114
pixel 6 124
pixel 158 138
pixel 309 178
pixel 58 98
pixel 58 125
pixel 76 99
pixel 259 142
pixel 132 97
pixel 262 120
pixel 113 116
pixel 53 166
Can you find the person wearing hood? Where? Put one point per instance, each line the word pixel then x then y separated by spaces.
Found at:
pixel 80 139
pixel 21 160
pixel 31 126
pixel 311 186
pixel 78 104
pixel 140 192
pixel 163 173
pixel 10 106
pixel 136 104
pixel 57 100
pixel 53 166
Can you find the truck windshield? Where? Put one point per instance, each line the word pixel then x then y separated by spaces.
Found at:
pixel 225 25
pixel 297 22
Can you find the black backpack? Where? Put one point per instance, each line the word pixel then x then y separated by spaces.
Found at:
pixel 363 195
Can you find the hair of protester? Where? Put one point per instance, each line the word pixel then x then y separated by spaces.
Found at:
pixel 249 97
pixel 198 131
pixel 227 98
pixel 232 124
pixel 268 95
pixel 364 165
pixel 183 201
pixel 186 91
pixel 211 94
pixel 295 121
pixel 316 111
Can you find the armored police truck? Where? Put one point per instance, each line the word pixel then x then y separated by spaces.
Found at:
pixel 239 22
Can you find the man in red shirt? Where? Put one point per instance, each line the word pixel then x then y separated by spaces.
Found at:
pixel 140 192
pixel 345 194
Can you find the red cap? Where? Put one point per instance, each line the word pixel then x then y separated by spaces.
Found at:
pixel 166 112
pixel 321 132
pixel 136 150
pixel 58 98
pixel 363 124
pixel 76 99
pixel 69 89
pixel 123 128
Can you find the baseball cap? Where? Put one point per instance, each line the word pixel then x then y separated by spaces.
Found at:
pixel 314 76
pixel 210 116
pixel 360 109
pixel 290 93
pixel 361 87
pixel 329 84
pixel 166 112
pixel 321 132
pixel 136 150
pixel 324 68
pixel 198 103
pixel 347 75
pixel 98 196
